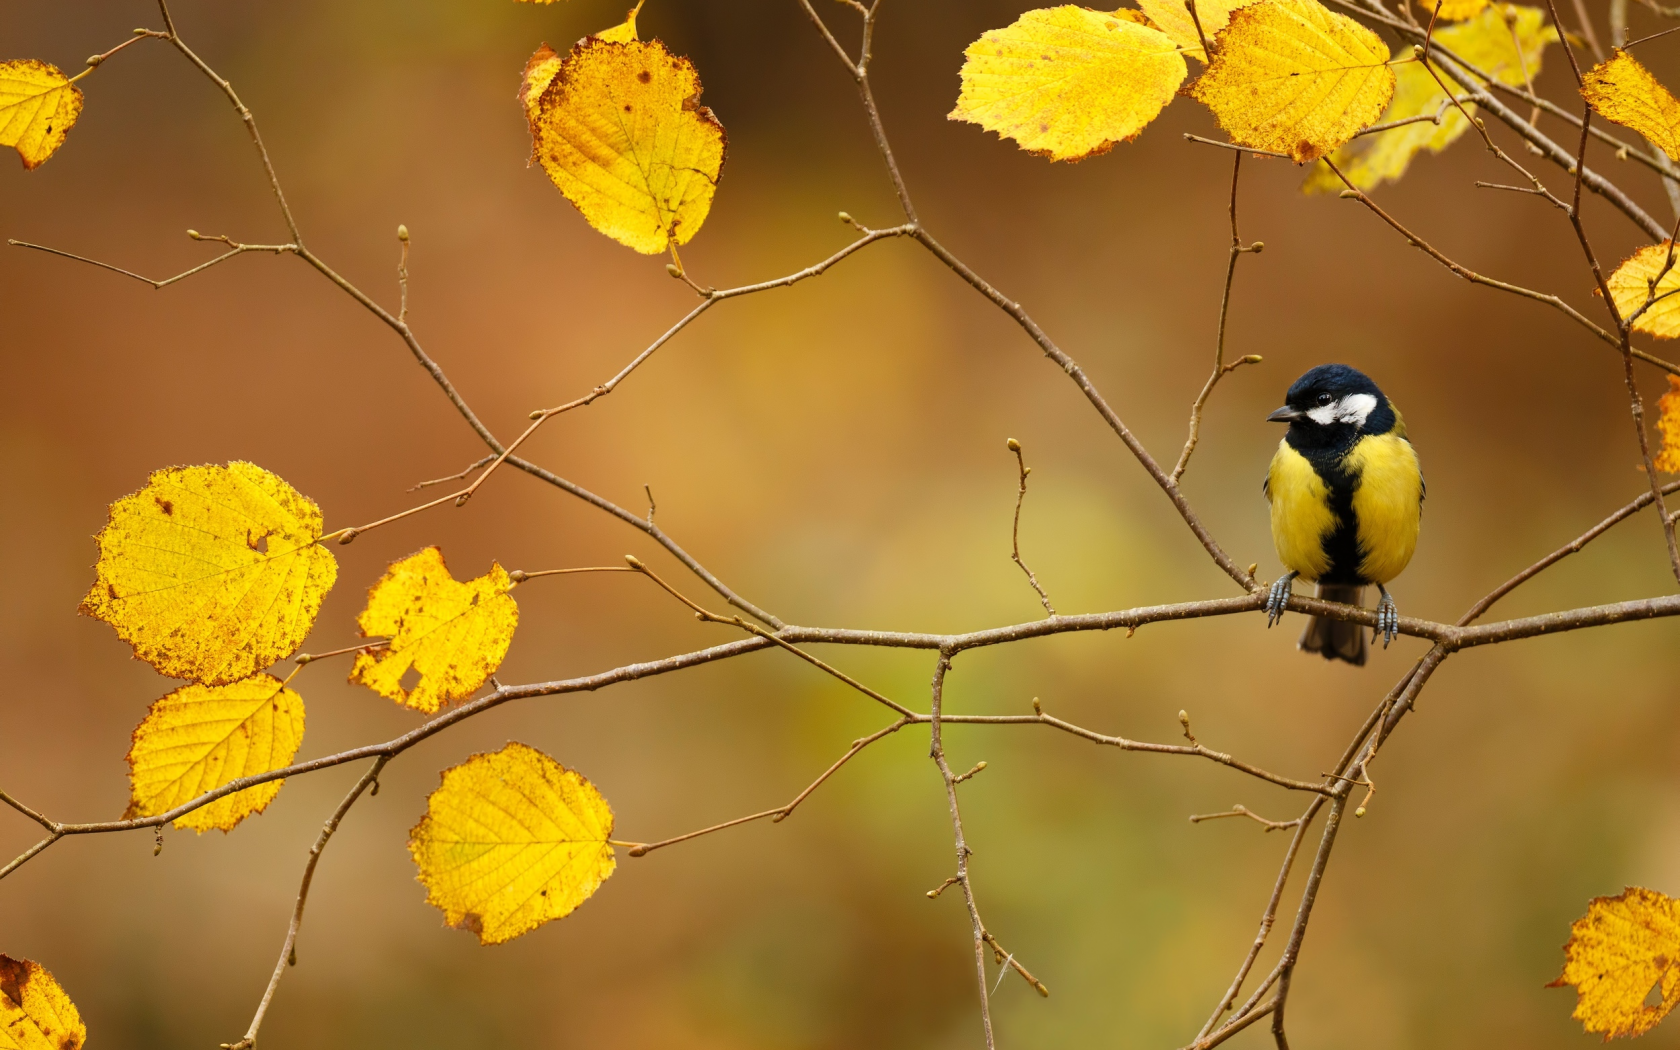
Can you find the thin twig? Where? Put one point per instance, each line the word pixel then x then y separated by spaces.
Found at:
pixel 1015 533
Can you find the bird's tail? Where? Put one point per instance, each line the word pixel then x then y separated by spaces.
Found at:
pixel 1336 639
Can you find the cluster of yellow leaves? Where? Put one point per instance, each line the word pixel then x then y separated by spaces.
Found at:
pixel 38 104
pixel 1289 76
pixel 1623 90
pixel 1504 40
pixel 454 634
pixel 618 126
pixel 1649 276
pixel 1620 952
pixel 212 573
pixel 511 840
pixel 35 1014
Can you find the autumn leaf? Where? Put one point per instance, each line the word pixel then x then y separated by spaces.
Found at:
pixel 625 31
pixel 1067 82
pixel 1631 288
pixel 1618 953
pixel 38 104
pixel 540 71
pixel 511 840
pixel 212 573
pixel 1488 42
pixel 621 133
pixel 35 1014
pixel 453 634
pixel 1454 10
pixel 1172 17
pixel 1668 425
pixel 1293 77
pixel 200 737
pixel 1624 91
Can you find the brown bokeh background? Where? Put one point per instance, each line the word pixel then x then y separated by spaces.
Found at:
pixel 836 452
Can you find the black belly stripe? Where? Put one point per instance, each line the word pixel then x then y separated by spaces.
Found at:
pixel 1342 545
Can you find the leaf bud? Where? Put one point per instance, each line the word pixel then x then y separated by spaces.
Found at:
pixel 846 218
pixel 1184 719
pixel 537 414
pixel 1349 195
pixel 1253 567
pixel 194 234
pixel 1417 50
pixel 1038 708
pixel 518 576
pixel 1013 445
pixel 1257 247
pixel 461 500
pixel 402 233
pixel 349 535
pixel 1360 812
pixel 673 269
pixel 302 658
pixel 634 562
pixel 1252 359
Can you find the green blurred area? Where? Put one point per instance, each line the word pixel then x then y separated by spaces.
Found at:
pixel 836 452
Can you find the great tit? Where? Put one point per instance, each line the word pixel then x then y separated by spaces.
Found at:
pixel 1347 500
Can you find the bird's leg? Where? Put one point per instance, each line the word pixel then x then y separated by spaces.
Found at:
pixel 1278 597
pixel 1388 617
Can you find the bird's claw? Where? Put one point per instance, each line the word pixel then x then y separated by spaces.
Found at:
pixel 1388 619
pixel 1277 598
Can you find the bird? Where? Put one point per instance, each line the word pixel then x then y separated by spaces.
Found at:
pixel 1346 493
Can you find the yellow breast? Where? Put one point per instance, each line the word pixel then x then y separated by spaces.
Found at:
pixel 1301 514
pixel 1388 504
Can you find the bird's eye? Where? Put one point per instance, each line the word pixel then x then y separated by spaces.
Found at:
pixel 1325 399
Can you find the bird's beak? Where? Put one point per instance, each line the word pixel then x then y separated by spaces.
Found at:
pixel 1286 415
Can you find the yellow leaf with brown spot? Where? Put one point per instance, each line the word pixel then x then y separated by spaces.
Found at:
pixel 35 1014
pixel 1172 17
pixel 1623 90
pixel 622 134
pixel 1648 284
pixel 1454 10
pixel 1067 83
pixel 1486 41
pixel 1668 425
pixel 453 635
pixel 38 104
pixel 212 573
pixel 511 840
pixel 1293 77
pixel 1621 951
pixel 201 737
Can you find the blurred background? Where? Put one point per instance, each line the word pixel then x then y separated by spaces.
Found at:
pixel 836 452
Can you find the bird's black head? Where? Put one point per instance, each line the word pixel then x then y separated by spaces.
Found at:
pixel 1332 404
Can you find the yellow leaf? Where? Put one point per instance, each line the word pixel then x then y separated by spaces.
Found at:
pixel 1624 91
pixel 453 634
pixel 511 840
pixel 621 132
pixel 1067 83
pixel 1293 77
pixel 1668 425
pixel 212 573
pixel 1486 41
pixel 1618 952
pixel 200 737
pixel 1172 17
pixel 625 31
pixel 35 1014
pixel 38 104
pixel 1630 287
pixel 1455 10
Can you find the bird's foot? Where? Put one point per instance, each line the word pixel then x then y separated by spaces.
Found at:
pixel 1278 597
pixel 1388 619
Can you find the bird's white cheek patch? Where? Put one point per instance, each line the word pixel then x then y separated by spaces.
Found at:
pixel 1356 408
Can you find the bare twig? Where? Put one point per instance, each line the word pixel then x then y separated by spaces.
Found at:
pixel 1015 533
